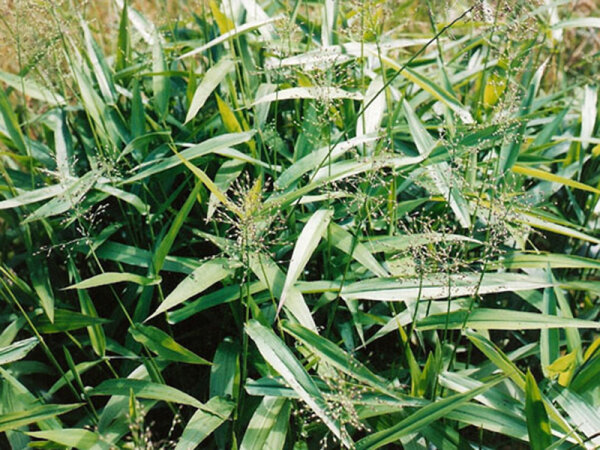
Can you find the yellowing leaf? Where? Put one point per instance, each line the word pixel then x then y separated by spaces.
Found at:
pixel 564 367
pixel 223 22
pixel 228 116
pixel 494 88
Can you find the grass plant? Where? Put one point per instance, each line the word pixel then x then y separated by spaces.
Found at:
pixel 301 224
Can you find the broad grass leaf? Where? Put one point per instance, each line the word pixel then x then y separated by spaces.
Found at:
pixel 484 417
pixel 41 283
pixel 65 320
pixel 313 92
pixel 589 111
pixel 538 424
pixel 538 221
pixel 278 355
pixel 144 27
pixel 200 279
pixel 230 121
pixel 436 91
pixel 370 120
pixel 580 412
pixel 225 370
pixel 127 197
pixel 224 37
pixel 263 421
pixel 160 255
pixel 68 199
pixel 69 375
pixel 123 54
pixel 99 66
pixel 440 173
pixel 11 124
pixel 306 243
pixel 319 158
pixel 209 83
pixel 32 89
pixel 164 345
pixel 402 242
pixel 15 420
pixel 509 152
pixel 541 260
pixel 202 424
pixel 421 418
pixel 17 350
pixel 579 22
pixel 547 176
pixel 271 276
pixel 106 278
pixel 503 362
pixel 224 295
pixel 144 389
pixel 160 81
pixel 436 286
pixel 332 354
pixel 33 196
pixel 229 171
pixel 501 319
pixel 69 437
pixel 587 376
pixel 128 254
pixel 549 337
pixel 573 337
pixel 343 240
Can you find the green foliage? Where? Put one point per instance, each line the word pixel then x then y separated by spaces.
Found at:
pixel 291 225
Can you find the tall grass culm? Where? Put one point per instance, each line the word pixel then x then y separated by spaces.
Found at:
pixel 303 224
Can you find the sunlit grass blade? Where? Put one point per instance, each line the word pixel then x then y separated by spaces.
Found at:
pixel 421 418
pixel 307 242
pixel 15 420
pixel 203 423
pixel 276 353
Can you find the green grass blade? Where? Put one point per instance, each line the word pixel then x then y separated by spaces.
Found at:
pixel 200 279
pixel 69 437
pixel 202 424
pixel 306 244
pixel 211 80
pixel 538 424
pixel 276 353
pixel 421 418
pixel 106 278
pixel 263 421
pixel 501 319
pixel 17 350
pixel 164 345
pixel 15 420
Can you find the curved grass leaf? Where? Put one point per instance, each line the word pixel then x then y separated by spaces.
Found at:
pixel 538 425
pixel 114 277
pixel 69 437
pixel 144 389
pixel 209 83
pixel 438 286
pixel 263 421
pixel 203 423
pixel 283 361
pixel 200 279
pixel 164 345
pixel 32 89
pixel 15 420
pixel 17 350
pixel 306 243
pixel 501 319
pixel 421 418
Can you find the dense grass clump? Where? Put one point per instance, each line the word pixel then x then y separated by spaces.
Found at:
pixel 302 224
